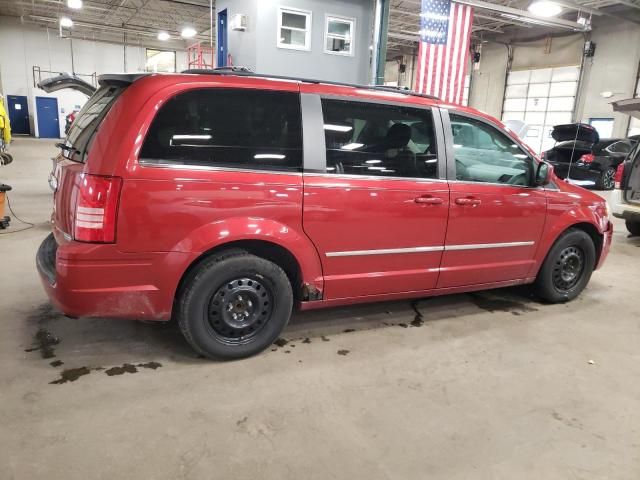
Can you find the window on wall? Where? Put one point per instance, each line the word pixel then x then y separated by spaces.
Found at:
pixel 294 29
pixel 338 35
pixel 379 140
pixel 541 98
pixel 160 60
pixel 230 128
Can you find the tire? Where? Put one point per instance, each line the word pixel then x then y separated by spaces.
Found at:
pixel 234 305
pixel 633 227
pixel 606 179
pixel 567 268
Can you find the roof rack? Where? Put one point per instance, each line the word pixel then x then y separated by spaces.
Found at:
pixel 246 72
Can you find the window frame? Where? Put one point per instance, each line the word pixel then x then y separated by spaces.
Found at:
pixel 451 164
pixel 309 23
pixel 350 20
pixel 313 137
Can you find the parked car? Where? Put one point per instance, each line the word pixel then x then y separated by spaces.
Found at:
pixel 626 196
pixel 225 199
pixel 589 160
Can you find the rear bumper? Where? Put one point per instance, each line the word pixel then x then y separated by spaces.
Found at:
pixel 90 280
pixel 621 209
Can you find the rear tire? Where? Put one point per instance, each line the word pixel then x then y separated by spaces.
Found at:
pixel 567 268
pixel 234 305
pixel 606 181
pixel 633 227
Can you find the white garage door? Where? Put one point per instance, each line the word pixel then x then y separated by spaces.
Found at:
pixel 541 98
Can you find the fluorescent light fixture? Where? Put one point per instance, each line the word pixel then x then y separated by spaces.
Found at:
pixel 188 32
pixel 337 128
pixel 271 156
pixel 66 22
pixel 75 4
pixel 163 36
pixel 545 8
pixel 377 168
pixel 191 137
pixel 352 146
pixel 373 161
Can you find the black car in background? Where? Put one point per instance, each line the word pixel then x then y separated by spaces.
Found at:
pixel 586 158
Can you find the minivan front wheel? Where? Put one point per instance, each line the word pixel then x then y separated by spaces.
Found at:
pixel 234 305
pixel 606 181
pixel 567 268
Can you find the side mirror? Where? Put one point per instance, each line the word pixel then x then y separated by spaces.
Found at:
pixel 544 173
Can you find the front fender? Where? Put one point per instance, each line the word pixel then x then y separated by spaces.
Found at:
pixel 216 234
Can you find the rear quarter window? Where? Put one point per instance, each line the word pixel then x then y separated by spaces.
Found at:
pixel 233 128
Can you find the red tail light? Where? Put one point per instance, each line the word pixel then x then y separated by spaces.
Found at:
pixel 618 176
pixel 587 158
pixel 96 208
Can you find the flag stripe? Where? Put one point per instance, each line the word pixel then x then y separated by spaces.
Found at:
pixel 445 35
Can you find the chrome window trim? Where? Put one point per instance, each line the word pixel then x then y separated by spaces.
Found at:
pixel 389 251
pixel 144 164
pixel 377 177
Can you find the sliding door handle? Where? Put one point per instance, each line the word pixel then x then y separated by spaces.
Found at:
pixel 468 201
pixel 428 200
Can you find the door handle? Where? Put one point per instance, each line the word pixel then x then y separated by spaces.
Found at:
pixel 428 200
pixel 468 201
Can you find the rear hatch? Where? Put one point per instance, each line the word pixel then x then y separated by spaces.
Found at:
pixel 631 178
pixel 70 163
pixel 574 141
pixel 565 152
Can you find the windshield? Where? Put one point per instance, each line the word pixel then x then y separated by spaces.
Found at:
pixel 76 145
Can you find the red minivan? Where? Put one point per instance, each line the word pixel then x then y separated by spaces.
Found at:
pixel 225 199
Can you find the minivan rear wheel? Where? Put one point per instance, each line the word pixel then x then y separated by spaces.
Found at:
pixel 234 305
pixel 606 181
pixel 567 268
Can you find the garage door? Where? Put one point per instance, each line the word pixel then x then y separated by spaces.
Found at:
pixel 541 98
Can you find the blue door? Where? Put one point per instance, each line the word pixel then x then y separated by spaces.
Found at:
pixel 48 125
pixel 18 110
pixel 222 38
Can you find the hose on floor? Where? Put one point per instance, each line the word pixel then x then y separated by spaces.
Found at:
pixel 29 224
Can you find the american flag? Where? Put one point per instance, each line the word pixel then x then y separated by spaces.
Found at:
pixel 445 32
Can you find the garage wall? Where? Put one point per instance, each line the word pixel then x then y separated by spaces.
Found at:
pixel 613 68
pixel 487 83
pixel 30 45
pixel 256 47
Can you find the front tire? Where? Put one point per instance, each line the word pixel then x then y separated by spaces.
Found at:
pixel 567 268
pixel 606 181
pixel 234 306
pixel 633 227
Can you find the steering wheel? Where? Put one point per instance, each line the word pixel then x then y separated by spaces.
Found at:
pixel 461 171
pixel 520 179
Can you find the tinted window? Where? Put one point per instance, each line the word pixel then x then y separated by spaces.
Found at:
pixel 619 147
pixel 484 154
pixel 87 121
pixel 227 128
pixel 382 140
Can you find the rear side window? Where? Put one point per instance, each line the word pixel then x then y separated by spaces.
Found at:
pixel 381 140
pixel 86 124
pixel 251 129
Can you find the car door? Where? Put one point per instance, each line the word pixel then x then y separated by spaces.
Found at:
pixel 375 195
pixel 496 215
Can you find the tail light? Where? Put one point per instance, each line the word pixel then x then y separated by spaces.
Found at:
pixel 618 176
pixel 587 158
pixel 96 208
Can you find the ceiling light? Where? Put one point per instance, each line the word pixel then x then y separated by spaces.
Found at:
pixel 544 8
pixel 66 22
pixel 75 4
pixel 164 36
pixel 188 32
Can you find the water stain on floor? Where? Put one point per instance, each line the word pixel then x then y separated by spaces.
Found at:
pixel 281 342
pixel 418 319
pixel 343 352
pixel 72 374
pixel 44 342
pixel 493 304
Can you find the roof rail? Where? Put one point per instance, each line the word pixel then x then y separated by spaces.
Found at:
pixel 246 72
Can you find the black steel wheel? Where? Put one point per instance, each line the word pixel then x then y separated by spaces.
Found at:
pixel 567 268
pixel 234 305
pixel 239 309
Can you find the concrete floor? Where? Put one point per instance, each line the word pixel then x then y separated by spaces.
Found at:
pixel 490 386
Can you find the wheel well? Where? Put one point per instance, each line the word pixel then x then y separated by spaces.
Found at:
pixel 260 248
pixel 595 235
